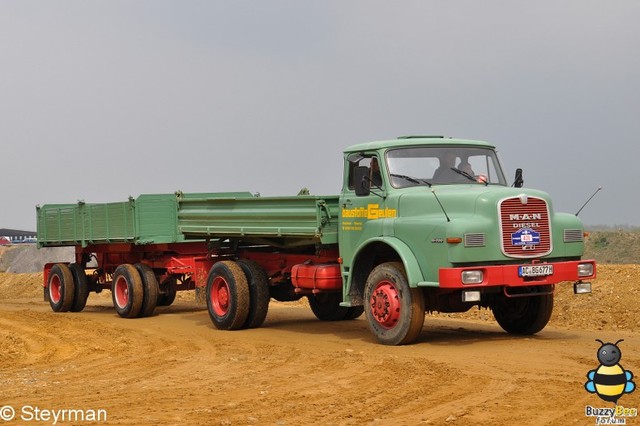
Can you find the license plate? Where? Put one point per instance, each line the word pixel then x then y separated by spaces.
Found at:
pixel 535 270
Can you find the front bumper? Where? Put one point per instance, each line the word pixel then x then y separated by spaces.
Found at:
pixel 507 275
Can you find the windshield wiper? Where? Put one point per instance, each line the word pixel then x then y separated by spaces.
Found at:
pixel 468 175
pixel 412 179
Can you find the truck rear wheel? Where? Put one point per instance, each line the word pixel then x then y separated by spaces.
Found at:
pixel 258 293
pixel 354 312
pixel 80 287
pixel 523 315
pixel 127 291
pixel 150 290
pixel 227 295
pixel 326 306
pixel 394 311
pixel 60 287
pixel 167 291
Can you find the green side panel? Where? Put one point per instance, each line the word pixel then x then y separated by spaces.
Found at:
pixel 109 222
pixel 156 219
pixel 82 224
pixel 157 215
pixel 59 224
pixel 310 219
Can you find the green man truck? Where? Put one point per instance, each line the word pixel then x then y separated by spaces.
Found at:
pixel 423 223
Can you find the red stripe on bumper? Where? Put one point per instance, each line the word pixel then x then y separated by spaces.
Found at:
pixel 507 275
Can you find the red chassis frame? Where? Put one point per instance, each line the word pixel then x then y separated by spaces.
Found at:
pixel 190 260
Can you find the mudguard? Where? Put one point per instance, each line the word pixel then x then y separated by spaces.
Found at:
pixel 413 271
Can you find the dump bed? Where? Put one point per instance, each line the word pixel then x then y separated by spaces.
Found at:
pixel 180 217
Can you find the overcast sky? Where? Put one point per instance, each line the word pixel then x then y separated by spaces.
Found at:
pixel 100 100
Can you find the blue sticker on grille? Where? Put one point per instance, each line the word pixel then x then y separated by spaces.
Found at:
pixel 525 237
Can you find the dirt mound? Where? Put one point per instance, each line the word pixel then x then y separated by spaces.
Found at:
pixel 20 286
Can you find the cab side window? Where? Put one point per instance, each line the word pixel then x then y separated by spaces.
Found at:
pixel 373 164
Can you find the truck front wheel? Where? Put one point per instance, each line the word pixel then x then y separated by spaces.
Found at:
pixel 523 315
pixel 61 288
pixel 227 295
pixel 394 311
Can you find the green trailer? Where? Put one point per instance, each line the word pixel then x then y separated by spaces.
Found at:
pixel 421 224
pixel 180 217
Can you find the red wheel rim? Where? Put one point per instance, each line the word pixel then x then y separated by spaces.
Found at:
pixel 385 304
pixel 54 289
pixel 219 296
pixel 122 292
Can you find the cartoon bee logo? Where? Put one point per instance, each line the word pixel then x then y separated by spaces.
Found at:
pixel 609 381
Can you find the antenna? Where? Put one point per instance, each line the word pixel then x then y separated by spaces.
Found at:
pixel 587 202
pixel 438 200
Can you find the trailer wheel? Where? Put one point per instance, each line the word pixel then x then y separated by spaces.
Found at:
pixel 258 293
pixel 167 291
pixel 127 291
pixel 523 315
pixel 326 306
pixel 394 311
pixel 60 288
pixel 150 290
pixel 227 295
pixel 80 287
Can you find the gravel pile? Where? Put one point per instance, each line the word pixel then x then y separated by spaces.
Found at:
pixel 26 258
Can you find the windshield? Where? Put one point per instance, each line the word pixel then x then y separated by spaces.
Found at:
pixel 443 165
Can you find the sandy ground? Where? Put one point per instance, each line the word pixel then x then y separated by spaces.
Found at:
pixel 175 368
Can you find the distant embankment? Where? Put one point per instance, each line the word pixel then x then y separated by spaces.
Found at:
pixel 613 246
pixel 26 258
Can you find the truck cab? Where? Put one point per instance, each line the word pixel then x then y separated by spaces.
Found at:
pixel 431 224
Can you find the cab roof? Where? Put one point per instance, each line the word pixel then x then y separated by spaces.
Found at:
pixel 406 141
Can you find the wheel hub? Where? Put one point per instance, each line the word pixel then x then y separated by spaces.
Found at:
pixel 54 289
pixel 385 304
pixel 220 296
pixel 122 292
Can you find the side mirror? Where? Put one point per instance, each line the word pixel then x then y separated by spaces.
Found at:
pixel 518 181
pixel 361 181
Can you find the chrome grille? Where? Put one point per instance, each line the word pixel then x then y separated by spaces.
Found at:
pixel 525 213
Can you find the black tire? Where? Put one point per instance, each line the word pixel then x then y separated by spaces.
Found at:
pixel 326 306
pixel 127 291
pixel 227 295
pixel 258 293
pixel 354 312
pixel 394 311
pixel 150 290
pixel 60 288
pixel 167 291
pixel 80 287
pixel 523 315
